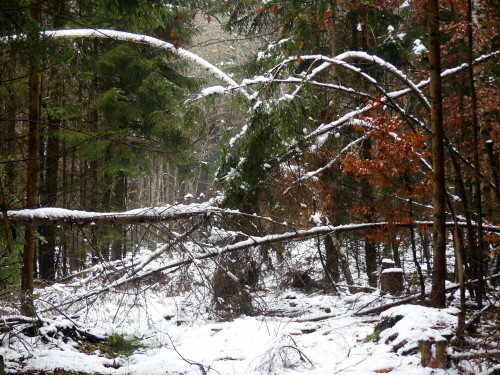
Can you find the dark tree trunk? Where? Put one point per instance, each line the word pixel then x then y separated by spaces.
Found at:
pixel 479 256
pixel 332 259
pixel 119 203
pixel 438 297
pixel 414 251
pixel 367 198
pixel 33 171
pixel 47 250
pixel 366 188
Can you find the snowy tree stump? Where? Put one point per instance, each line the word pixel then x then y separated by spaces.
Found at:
pixel 387 263
pixel 391 278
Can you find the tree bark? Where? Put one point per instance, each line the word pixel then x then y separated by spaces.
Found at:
pixel 414 251
pixel 33 171
pixel 479 256
pixel 47 249
pixel 438 297
pixel 332 259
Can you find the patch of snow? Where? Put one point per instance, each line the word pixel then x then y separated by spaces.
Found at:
pixel 213 90
pixel 393 270
pixel 418 47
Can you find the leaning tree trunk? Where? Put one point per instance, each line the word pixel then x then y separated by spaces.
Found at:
pixel 438 297
pixel 33 170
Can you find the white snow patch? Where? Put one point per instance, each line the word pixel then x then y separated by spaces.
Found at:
pixel 213 90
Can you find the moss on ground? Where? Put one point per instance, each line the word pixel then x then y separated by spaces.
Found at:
pixel 383 325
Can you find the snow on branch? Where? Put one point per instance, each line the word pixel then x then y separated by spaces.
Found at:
pixel 332 161
pixel 141 39
pixel 380 62
pixel 60 216
pixel 326 128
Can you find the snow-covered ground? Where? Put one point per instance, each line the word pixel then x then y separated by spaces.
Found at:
pixel 294 333
pixel 286 343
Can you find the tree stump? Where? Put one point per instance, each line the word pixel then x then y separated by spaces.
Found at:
pixel 387 263
pixel 441 360
pixel 425 352
pixel 391 278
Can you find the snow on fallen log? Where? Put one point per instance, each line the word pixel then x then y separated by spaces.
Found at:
pixel 61 216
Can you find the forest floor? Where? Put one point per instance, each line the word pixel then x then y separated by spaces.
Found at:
pixel 170 328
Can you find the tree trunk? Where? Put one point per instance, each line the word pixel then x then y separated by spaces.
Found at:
pixel 33 171
pixel 343 262
pixel 119 197
pixel 332 259
pixel 479 258
pixel 367 198
pixel 438 297
pixel 47 249
pixel 366 189
pixel 47 253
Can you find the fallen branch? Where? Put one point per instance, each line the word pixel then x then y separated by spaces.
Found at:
pixel 69 330
pixel 465 356
pixel 254 242
pixel 379 309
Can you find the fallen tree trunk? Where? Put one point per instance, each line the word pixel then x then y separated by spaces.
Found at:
pixel 60 216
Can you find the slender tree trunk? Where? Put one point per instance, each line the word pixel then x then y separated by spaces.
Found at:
pixel 9 147
pixel 424 239
pixel 343 262
pixel 438 297
pixel 48 248
pixel 119 196
pixel 33 171
pixel 477 179
pixel 458 243
pixel 366 188
pixel 414 251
